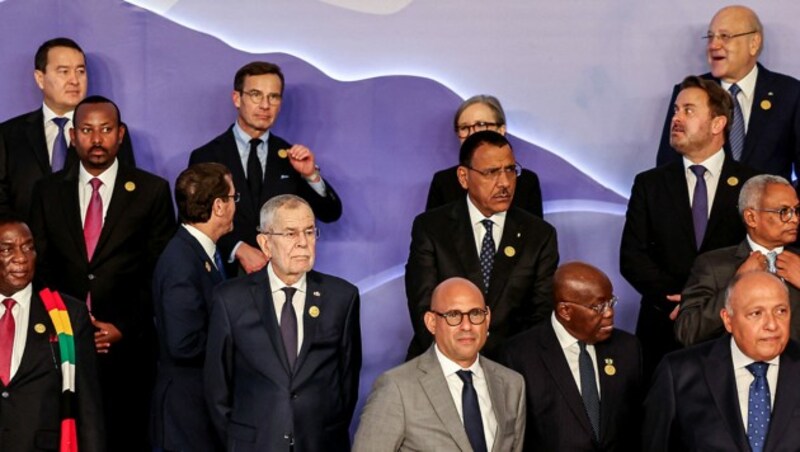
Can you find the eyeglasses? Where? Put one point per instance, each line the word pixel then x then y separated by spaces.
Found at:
pixel 257 97
pixel 236 197
pixel 465 131
pixel 494 173
pixel 292 236
pixel 725 37
pixel 786 213
pixel 599 308
pixel 454 318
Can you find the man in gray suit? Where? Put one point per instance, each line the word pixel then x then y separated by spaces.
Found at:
pixel 448 398
pixel 769 209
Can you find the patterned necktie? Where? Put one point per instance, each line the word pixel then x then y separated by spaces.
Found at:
pixel 219 264
pixel 473 423
pixel 699 204
pixel 772 256
pixel 487 254
pixel 6 341
pixel 93 223
pixel 591 400
pixel 255 174
pixel 289 326
pixel 59 146
pixel 758 407
pixel 737 128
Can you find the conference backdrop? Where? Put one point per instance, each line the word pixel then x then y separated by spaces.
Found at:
pixel 371 88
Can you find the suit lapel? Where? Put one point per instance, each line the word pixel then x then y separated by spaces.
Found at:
pixel 507 256
pixel 314 294
pixel 200 254
pixel 35 133
pixel 497 393
pixel 261 294
pixel 438 393
pixel 123 196
pixel 759 117
pixel 786 411
pixel 610 386
pixel 719 378
pixel 675 184
pixel 464 242
pixel 71 210
pixel 31 357
pixel 727 195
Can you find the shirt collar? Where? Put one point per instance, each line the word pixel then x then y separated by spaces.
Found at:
pixel 712 164
pixel 243 138
pixel 22 297
pixel 565 339
pixel 763 250
pixel 50 114
pixel 205 241
pixel 107 177
pixel 276 284
pixel 449 367
pixel 746 84
pixel 475 216
pixel 740 360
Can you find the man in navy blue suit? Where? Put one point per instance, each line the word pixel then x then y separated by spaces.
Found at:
pixel 769 103
pixel 284 345
pixel 184 277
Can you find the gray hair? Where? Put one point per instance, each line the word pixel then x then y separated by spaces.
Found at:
pixel 753 190
pixel 735 281
pixel 485 99
pixel 270 208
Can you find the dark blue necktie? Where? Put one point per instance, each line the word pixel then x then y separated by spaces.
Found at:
pixel 487 254
pixel 758 407
pixel 591 400
pixel 699 204
pixel 59 146
pixel 473 423
pixel 289 326
pixel 255 174
pixel 737 128
pixel 219 264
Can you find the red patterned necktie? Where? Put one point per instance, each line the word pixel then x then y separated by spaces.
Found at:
pixel 6 341
pixel 94 218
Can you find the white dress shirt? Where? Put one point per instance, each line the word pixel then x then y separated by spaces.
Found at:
pixel 713 167
pixel 108 177
pixel 744 377
pixel 571 349
pixel 205 241
pixel 747 85
pixel 763 250
pixel 21 312
pixel 479 230
pixel 51 129
pixel 456 385
pixel 279 299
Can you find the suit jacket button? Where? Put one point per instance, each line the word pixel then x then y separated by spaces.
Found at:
pixel 294 395
pixel 91 276
pixel 5 394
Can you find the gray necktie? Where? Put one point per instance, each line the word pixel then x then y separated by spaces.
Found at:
pixel 772 256
pixel 737 128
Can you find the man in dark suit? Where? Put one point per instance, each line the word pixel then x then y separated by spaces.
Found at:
pixel 284 345
pixel 769 206
pixel 99 229
pixel 31 379
pixel 450 397
pixel 515 277
pixel 186 272
pixel 482 112
pixel 736 393
pixel 33 143
pixel 249 146
pixel 768 135
pixel 576 364
pixel 674 215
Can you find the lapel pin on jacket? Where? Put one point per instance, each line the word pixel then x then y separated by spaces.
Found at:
pixel 509 251
pixel 610 370
pixel 130 186
pixel 283 153
pixel 313 311
pixel 39 328
pixel 208 267
pixel 733 181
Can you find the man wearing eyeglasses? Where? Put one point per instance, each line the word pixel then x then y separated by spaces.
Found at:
pixel 263 165
pixel 284 345
pixel 185 275
pixel 507 252
pixel 583 377
pixel 680 210
pixel 766 116
pixel 450 397
pixel 769 209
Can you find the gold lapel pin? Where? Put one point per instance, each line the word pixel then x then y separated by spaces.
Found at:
pixel 509 251
pixel 609 369
pixel 130 186
pixel 283 153
pixel 39 328
pixel 766 104
pixel 733 181
pixel 313 311
pixel 208 266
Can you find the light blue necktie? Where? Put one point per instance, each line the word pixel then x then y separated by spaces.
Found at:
pixel 737 128
pixel 772 256
pixel 758 407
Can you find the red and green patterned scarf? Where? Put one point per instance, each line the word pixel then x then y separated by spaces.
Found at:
pixel 66 345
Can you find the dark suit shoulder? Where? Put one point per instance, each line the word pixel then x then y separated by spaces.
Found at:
pixel 689 356
pixel 332 283
pixel 210 151
pixel 718 254
pixel 22 119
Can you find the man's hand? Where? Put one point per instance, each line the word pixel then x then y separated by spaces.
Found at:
pixel 105 335
pixel 302 160
pixel 788 265
pixel 755 262
pixel 251 259
pixel 675 298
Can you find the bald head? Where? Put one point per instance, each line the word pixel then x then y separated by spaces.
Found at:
pixel 580 291
pixel 735 39
pixel 453 288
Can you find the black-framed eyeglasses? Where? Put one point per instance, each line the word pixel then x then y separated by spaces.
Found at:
pixel 292 236
pixel 454 318
pixel 257 97
pixel 786 213
pixel 494 173
pixel 599 308
pixel 236 197
pixel 464 131
pixel 725 37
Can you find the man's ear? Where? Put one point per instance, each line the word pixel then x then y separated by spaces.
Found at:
pixel 430 322
pixel 463 177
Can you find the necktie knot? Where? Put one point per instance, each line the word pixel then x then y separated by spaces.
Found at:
pixel 255 143
pixel 289 291
pixel 487 224
pixel 465 376
pixel 734 90
pixel 758 369
pixel 60 122
pixel 9 304
pixel 95 183
pixel 582 346
pixel 698 170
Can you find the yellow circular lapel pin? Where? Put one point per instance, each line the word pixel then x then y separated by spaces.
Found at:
pixel 39 328
pixel 733 181
pixel 283 153
pixel 313 311
pixel 130 186
pixel 766 104
pixel 509 251
pixel 609 369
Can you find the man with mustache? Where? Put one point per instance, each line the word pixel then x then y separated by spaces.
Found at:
pixel 769 206
pixel 37 143
pixel 680 210
pixel 765 132
pixel 99 229
pixel 583 377
pixel 508 253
